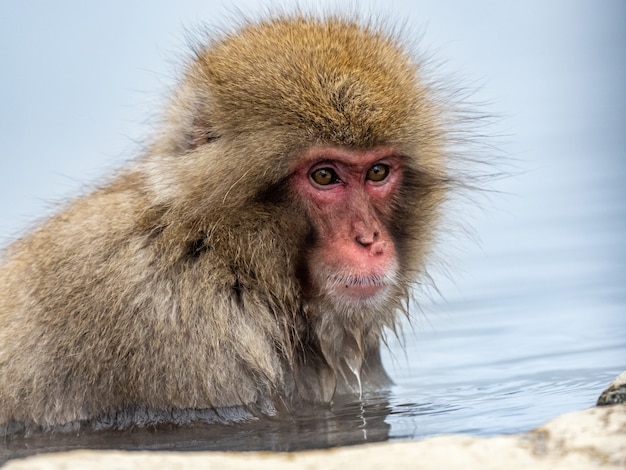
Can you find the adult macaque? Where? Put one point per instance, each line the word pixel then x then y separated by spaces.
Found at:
pixel 252 257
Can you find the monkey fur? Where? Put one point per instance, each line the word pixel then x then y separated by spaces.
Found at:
pixel 177 291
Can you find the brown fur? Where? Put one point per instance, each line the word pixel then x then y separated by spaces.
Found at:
pixel 178 289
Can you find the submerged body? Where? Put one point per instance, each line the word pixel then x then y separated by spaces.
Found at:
pixel 252 257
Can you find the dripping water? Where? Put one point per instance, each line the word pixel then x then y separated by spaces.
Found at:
pixel 357 374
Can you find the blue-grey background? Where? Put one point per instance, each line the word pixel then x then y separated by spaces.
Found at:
pixel 531 321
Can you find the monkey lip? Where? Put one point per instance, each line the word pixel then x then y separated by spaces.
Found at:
pixel 359 287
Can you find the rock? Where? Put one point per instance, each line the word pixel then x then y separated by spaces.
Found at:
pixel 593 438
pixel 616 393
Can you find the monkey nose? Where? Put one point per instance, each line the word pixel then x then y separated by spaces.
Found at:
pixel 372 242
pixel 368 236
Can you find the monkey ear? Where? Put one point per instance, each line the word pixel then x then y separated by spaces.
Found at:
pixel 201 134
pixel 187 122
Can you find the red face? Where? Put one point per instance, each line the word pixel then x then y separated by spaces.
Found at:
pixel 349 196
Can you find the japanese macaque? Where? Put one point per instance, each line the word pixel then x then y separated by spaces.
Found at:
pixel 252 257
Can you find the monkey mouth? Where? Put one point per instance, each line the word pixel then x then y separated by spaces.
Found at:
pixel 359 287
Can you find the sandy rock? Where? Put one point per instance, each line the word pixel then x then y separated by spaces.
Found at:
pixel 594 438
pixel 615 393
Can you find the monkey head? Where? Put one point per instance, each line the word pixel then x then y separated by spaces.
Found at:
pixel 331 119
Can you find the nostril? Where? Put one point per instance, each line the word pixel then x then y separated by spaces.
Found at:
pixel 378 247
pixel 367 240
pixel 364 240
pixel 361 240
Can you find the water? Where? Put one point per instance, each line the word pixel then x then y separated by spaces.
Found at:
pixel 531 322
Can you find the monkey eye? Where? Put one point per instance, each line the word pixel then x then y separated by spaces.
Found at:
pixel 325 176
pixel 378 172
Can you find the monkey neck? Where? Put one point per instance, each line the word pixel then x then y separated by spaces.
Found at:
pixel 344 352
pixel 347 341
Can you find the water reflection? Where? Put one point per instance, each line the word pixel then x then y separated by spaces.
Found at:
pixel 311 427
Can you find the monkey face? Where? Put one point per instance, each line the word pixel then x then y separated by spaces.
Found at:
pixel 348 196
